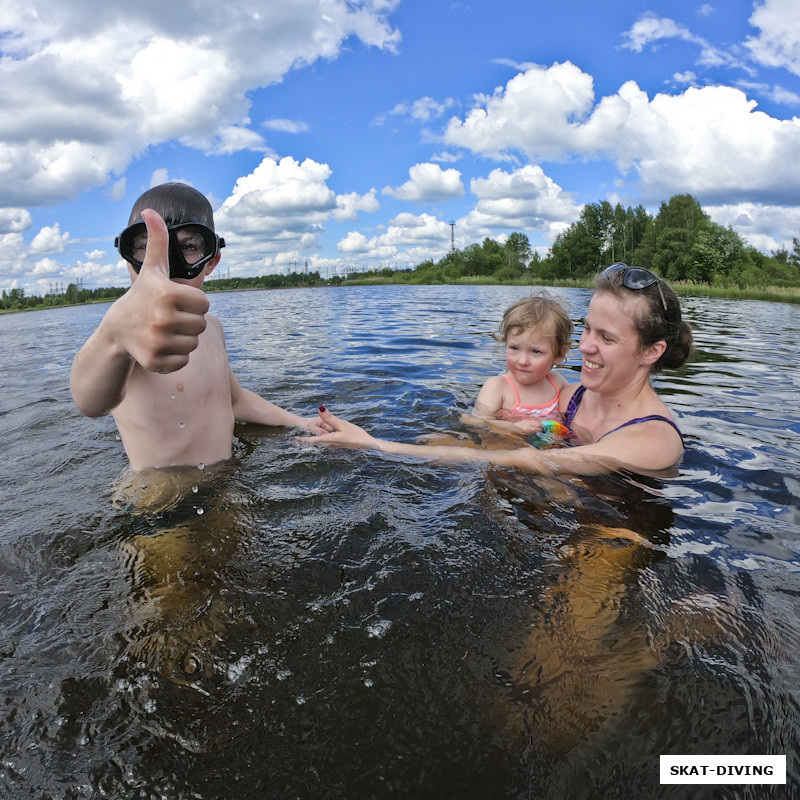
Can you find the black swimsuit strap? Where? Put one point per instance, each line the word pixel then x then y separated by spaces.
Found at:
pixel 575 402
pixel 651 418
pixel 572 406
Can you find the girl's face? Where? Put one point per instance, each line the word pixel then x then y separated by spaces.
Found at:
pixel 612 357
pixel 530 355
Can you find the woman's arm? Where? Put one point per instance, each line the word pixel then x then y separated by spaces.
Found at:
pixel 653 452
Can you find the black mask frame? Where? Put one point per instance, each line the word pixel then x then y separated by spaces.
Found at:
pixel 178 266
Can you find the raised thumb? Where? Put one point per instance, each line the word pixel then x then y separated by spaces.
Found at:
pixel 156 257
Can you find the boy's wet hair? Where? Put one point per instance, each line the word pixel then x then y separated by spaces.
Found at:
pixel 177 203
pixel 542 311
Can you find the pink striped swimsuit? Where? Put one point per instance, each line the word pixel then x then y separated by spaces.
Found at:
pixel 519 410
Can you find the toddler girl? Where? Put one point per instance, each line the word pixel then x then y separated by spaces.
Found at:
pixel 537 333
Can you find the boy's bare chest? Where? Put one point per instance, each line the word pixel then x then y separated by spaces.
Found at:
pixel 201 387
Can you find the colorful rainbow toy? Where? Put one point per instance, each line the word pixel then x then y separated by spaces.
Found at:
pixel 553 434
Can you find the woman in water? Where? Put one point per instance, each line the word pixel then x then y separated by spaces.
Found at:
pixel 633 329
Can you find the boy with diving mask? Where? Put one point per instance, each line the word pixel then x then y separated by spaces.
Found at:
pixel 157 361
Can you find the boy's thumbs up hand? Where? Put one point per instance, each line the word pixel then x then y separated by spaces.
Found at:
pixel 156 257
pixel 158 321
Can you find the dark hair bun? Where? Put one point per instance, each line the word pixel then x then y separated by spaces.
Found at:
pixel 678 349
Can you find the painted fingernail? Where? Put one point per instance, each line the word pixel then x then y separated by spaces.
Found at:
pixel 322 408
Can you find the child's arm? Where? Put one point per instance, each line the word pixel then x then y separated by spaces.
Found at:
pixel 489 403
pixel 490 398
pixel 156 323
pixel 250 407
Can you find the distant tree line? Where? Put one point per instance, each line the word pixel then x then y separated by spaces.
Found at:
pixel 15 299
pixel 680 243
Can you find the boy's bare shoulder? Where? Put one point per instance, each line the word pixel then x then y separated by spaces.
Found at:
pixel 214 328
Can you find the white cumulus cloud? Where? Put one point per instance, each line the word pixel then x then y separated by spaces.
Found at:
pixel 49 240
pixel 85 87
pixel 277 213
pixel 429 183
pixel 778 41
pixel 348 205
pixel 708 141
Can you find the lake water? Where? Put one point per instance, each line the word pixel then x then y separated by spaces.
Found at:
pixel 305 622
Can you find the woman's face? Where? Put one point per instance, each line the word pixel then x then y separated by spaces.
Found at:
pixel 612 357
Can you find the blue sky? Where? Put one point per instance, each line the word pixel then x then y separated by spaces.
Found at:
pixel 350 134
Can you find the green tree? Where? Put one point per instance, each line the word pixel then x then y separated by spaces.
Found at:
pixel 577 251
pixel 675 228
pixel 795 255
pixel 716 253
pixel 516 253
pixel 476 260
pixel 602 235
pixel 13 299
pixel 631 230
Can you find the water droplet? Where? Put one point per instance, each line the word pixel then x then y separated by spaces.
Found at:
pixel 378 629
pixel 300 700
pixel 200 510
pixel 182 425
pixel 195 489
pixel 190 664
pixel 173 395
pixel 201 466
pixel 368 683
pixel 235 671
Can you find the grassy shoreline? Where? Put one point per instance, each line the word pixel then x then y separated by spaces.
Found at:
pixel 777 294
pixel 774 294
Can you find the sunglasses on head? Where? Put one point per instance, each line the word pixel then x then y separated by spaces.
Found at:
pixel 191 246
pixel 636 278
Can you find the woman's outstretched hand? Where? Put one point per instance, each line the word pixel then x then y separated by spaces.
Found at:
pixel 343 433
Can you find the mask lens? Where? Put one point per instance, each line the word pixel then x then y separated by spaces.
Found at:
pixel 132 243
pixel 192 244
